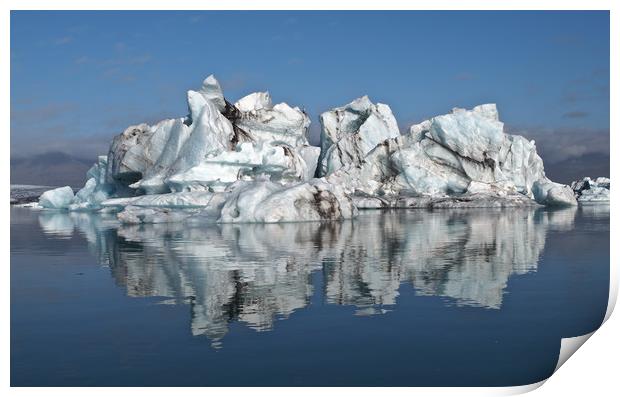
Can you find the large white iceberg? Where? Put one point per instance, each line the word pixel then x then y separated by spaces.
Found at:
pixel 215 145
pixel 251 162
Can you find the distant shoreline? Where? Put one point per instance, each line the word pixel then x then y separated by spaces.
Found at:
pixel 24 194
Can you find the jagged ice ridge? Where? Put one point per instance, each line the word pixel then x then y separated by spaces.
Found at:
pixel 591 190
pixel 251 162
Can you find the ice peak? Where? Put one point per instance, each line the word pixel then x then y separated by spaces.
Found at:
pixel 488 110
pixel 212 91
pixel 359 105
pixel 210 80
pixel 254 101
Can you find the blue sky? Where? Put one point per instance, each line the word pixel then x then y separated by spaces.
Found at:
pixel 79 78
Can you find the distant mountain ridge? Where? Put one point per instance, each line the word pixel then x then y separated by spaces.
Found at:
pixel 575 168
pixel 50 169
pixel 60 169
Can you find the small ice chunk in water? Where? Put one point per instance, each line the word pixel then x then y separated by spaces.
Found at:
pixel 59 198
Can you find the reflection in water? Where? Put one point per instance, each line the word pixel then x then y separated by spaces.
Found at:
pixel 595 210
pixel 257 273
pixel 56 224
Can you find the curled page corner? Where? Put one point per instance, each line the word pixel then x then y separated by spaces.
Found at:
pixel 516 390
pixel 613 292
pixel 569 346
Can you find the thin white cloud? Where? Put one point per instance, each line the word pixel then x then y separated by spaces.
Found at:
pixel 34 115
pixel 82 60
pixel 63 40
pixel 295 61
pixel 196 19
pixel 139 59
pixel 575 114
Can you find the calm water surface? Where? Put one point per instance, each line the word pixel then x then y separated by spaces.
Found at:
pixel 410 297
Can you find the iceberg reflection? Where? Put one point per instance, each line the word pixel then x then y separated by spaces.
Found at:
pixel 256 273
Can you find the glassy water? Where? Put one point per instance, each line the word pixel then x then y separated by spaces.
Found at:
pixel 410 297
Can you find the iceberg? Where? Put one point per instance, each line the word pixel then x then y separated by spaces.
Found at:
pixel 553 194
pixel 215 145
pixel 591 190
pixel 96 189
pixel 461 159
pixel 59 198
pixel 251 161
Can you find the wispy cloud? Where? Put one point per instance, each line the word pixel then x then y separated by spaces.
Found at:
pixel 81 60
pixel 591 86
pixel 295 61
pixel 120 46
pixel 587 94
pixel 288 36
pixel 575 114
pixel 120 66
pixel 63 40
pixel 139 59
pixel 464 76
pixel 235 82
pixel 194 19
pixel 33 115
pixel 567 40
pixel 77 29
pixel 333 23
pixel 121 118
pixel 118 74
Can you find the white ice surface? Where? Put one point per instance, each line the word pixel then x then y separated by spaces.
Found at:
pixel 252 162
pixel 213 147
pixel 59 198
pixel 268 202
pixel 453 155
pixel 350 132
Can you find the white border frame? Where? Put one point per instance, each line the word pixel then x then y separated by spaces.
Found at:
pixel 597 363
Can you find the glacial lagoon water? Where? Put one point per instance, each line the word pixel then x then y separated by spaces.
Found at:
pixel 409 298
